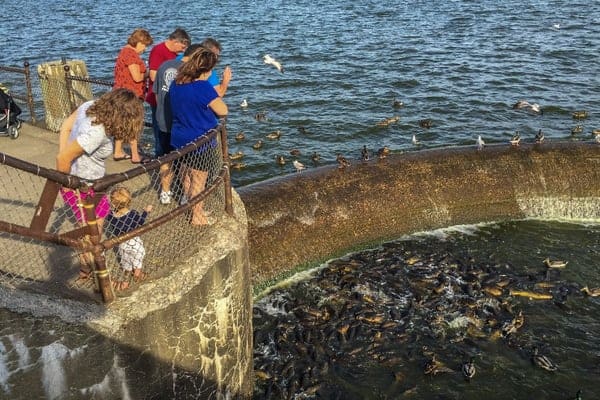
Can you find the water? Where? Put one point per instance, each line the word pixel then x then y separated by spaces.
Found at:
pixel 355 355
pixel 461 64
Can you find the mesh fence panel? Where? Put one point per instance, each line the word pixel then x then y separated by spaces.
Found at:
pixel 36 263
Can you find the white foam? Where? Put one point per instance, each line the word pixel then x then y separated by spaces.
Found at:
pixel 22 351
pixel 53 373
pixel 4 373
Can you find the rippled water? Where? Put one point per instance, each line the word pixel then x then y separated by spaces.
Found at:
pixel 461 64
pixel 351 357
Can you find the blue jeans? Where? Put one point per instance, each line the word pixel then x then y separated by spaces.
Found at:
pixel 158 149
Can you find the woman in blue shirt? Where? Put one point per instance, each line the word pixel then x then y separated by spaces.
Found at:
pixel 195 105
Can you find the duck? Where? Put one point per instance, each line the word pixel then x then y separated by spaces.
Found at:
pixel 580 114
pixel 280 160
pixel 576 129
pixel 388 121
pixel 468 369
pixel 244 103
pixel 238 165
pixel 260 116
pixel 542 361
pixel 578 395
pixel 342 161
pixel 267 59
pixel 236 156
pixel 480 143
pixel 532 107
pixel 315 157
pixel 539 137
pixel 516 139
pixel 257 145
pixel 240 136
pixel 274 135
pixel 364 153
pixel 425 123
pixel 595 292
pixel 383 152
pixel 434 367
pixel 298 165
pixel 397 103
pixel 302 130
pixel 555 263
pixel 295 152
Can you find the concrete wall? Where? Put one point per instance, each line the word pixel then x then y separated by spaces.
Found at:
pixel 325 211
pixel 187 335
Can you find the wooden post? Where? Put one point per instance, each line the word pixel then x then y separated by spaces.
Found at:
pixel 69 86
pixel 102 275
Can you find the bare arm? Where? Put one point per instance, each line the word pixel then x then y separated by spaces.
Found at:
pixel 65 131
pixel 67 155
pixel 222 87
pixel 152 75
pixel 136 74
pixel 219 107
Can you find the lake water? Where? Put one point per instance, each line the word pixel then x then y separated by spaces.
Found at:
pixel 461 64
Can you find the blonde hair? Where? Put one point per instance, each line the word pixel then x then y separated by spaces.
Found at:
pixel 121 112
pixel 120 198
pixel 140 36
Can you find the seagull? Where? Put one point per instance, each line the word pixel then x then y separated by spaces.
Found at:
pixel 364 153
pixel 533 107
pixel 539 137
pixel 516 139
pixel 298 165
pixel 270 60
pixel 414 140
pixel 556 26
pixel 244 104
pixel 480 142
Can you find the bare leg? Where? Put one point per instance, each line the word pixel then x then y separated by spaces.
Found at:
pixel 135 153
pixel 198 182
pixel 166 177
pixel 118 151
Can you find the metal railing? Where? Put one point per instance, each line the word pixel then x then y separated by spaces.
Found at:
pixel 45 245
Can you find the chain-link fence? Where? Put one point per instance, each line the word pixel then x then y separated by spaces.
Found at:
pixel 52 238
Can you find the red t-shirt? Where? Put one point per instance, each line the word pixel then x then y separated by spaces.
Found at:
pixel 123 79
pixel 158 55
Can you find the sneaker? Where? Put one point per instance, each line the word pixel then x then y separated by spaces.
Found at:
pixel 165 197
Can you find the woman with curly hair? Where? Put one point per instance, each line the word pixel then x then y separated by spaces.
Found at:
pixel 85 140
pixel 195 105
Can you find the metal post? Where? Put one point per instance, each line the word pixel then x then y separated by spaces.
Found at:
pixel 102 275
pixel 227 176
pixel 69 86
pixel 30 102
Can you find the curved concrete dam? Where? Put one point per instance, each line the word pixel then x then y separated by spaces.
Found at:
pixel 189 334
pixel 323 212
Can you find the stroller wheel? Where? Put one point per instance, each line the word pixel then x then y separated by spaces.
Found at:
pixel 13 132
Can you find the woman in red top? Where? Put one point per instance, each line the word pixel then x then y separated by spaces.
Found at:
pixel 130 73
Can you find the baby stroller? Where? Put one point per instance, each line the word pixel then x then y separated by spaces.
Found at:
pixel 9 111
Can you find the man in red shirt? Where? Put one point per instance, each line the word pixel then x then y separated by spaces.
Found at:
pixel 176 43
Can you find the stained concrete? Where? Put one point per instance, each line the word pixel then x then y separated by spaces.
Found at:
pixel 321 212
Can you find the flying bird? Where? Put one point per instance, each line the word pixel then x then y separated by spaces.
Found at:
pixel 532 107
pixel 298 165
pixel 270 60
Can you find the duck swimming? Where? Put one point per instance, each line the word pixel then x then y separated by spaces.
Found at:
pixel 364 153
pixel 516 139
pixel 295 152
pixel 260 116
pixel 468 369
pixel 425 123
pixel 576 129
pixel 274 135
pixel 342 162
pixel 257 145
pixel 383 152
pixel 388 121
pixel 236 156
pixel 315 157
pixel 542 361
pixel 539 137
pixel 595 292
pixel 397 103
pixel 280 160
pixel 580 114
pixel 244 103
pixel 240 136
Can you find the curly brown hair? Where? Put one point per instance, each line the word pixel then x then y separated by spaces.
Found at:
pixel 200 61
pixel 121 112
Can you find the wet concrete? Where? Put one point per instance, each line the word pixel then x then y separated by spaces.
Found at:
pixel 322 212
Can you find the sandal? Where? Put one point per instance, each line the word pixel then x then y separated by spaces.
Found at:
pixel 120 286
pixel 140 277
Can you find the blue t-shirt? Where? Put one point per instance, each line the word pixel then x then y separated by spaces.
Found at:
pixel 192 117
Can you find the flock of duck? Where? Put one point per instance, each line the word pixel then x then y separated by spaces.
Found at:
pixel 281 159
pixel 406 312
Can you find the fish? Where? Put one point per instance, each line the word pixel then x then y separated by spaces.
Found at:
pixel 267 59
pixel 531 295
pixel 298 165
pixel 480 143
